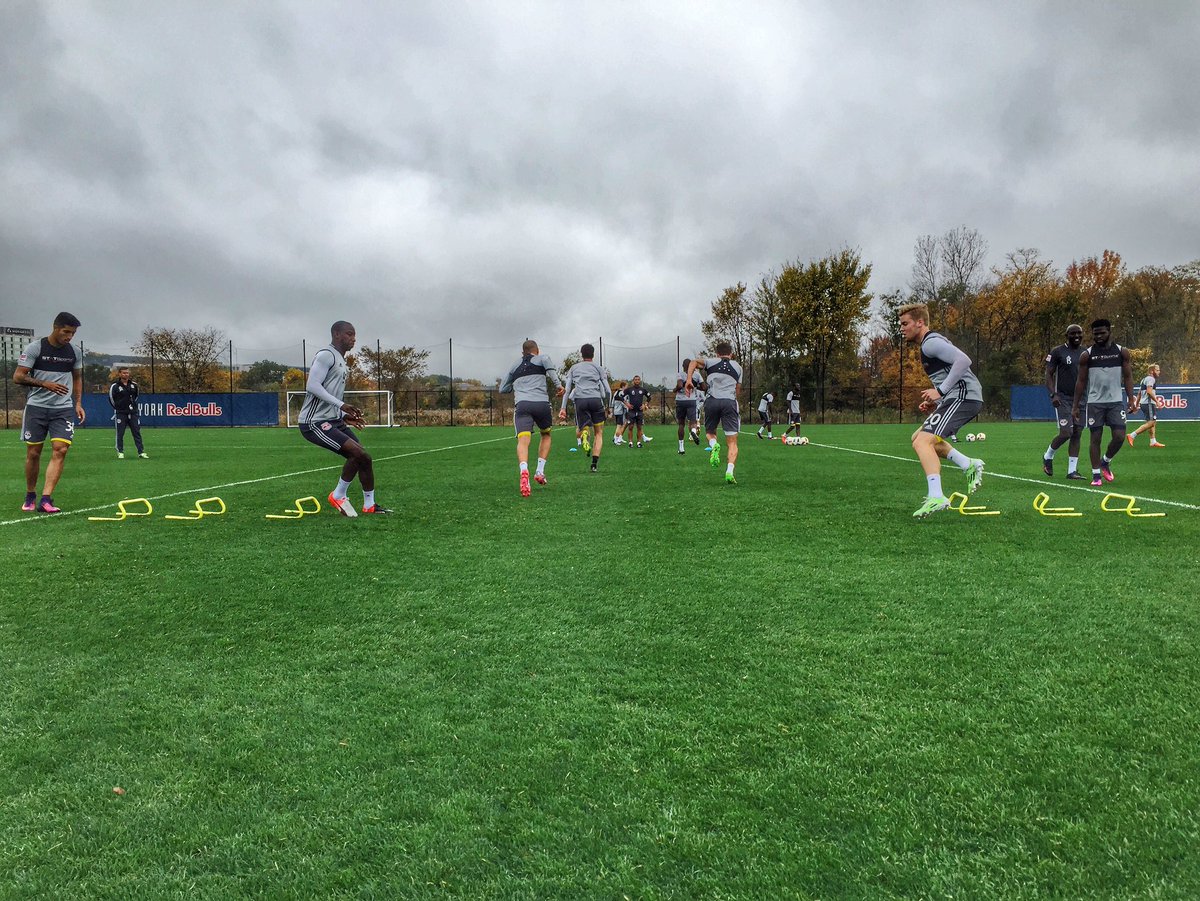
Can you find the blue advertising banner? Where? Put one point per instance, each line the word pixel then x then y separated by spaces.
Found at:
pixel 1175 402
pixel 190 410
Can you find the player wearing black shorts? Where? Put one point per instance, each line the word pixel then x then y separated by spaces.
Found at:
pixel 526 381
pixel 1062 371
pixel 1104 369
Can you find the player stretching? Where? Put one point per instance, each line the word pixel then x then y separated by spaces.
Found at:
pixel 764 415
pixel 1103 368
pixel 526 381
pixel 686 403
pixel 1148 401
pixel 326 421
pixel 589 384
pixel 793 399
pixel 1062 371
pixel 954 400
pixel 723 377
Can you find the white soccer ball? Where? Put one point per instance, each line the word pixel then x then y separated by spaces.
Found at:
pixel 802 440
pixel 980 437
pixel 970 437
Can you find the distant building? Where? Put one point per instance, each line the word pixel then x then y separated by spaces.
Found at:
pixel 13 341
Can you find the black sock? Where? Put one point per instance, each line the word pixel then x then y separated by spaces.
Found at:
pixel 595 460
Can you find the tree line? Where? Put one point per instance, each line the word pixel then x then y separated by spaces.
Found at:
pixel 814 323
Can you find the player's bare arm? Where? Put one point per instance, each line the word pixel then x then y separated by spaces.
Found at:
pixel 1050 370
pixel 22 377
pixel 77 385
pixel 1127 378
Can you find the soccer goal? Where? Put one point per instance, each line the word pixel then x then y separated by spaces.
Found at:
pixel 375 405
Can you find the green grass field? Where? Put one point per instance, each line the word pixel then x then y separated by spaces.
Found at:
pixel 641 683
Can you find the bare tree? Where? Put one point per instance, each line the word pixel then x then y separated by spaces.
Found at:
pixel 189 356
pixel 730 321
pixel 926 270
pixel 962 254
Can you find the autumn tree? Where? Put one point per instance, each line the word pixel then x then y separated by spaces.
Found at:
pixel 1093 280
pixel 393 369
pixel 185 360
pixel 730 322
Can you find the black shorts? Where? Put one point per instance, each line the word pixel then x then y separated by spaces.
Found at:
pixel 723 412
pixel 794 418
pixel 764 417
pixel 1067 424
pixel 332 434
pixel 686 410
pixel 950 415
pixel 1150 411
pixel 635 417
pixel 589 411
pixel 1100 415
pixel 55 423
pixel 528 414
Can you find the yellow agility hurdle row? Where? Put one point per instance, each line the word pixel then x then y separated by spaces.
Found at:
pixel 205 506
pixel 1131 508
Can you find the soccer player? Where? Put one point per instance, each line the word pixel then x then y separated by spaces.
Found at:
pixel 686 404
pixel 1062 371
pixel 618 411
pixel 1103 368
pixel 635 414
pixel 53 369
pixel 326 421
pixel 764 415
pixel 1148 401
pixel 123 397
pixel 723 377
pixel 793 399
pixel 589 384
pixel 526 381
pixel 954 400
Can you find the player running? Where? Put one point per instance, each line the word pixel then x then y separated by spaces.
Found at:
pixel 326 421
pixel 526 381
pixel 723 377
pixel 1062 371
pixel 954 400
pixel 588 383
pixel 1148 401
pixel 686 404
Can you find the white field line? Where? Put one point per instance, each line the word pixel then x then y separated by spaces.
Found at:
pixel 34 517
pixel 991 474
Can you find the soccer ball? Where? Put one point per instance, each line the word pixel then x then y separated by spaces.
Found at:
pixel 980 437
pixel 803 440
pixel 970 437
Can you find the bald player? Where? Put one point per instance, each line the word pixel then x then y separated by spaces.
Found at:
pixel 526 381
pixel 723 377
pixel 1104 369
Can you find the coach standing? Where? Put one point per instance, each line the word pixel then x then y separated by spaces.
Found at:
pixel 123 395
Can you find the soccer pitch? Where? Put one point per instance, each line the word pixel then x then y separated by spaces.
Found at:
pixel 638 683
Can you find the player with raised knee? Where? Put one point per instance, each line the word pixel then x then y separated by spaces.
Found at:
pixel 1104 369
pixel 1148 401
pixel 326 421
pixel 723 378
pixel 589 383
pixel 954 400
pixel 526 381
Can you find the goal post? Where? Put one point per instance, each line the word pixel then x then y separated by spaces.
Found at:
pixel 376 407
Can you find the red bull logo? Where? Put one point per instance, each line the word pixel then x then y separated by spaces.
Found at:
pixel 194 409
pixel 1174 402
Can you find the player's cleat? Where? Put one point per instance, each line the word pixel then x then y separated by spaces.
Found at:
pixel 342 505
pixel 974 475
pixel 1106 471
pixel 681 453
pixel 1096 482
pixel 648 439
pixel 539 478
pixel 729 479
pixel 45 505
pixel 593 467
pixel 574 450
pixel 760 436
pixel 1157 444
pixel 587 444
pixel 1130 438
pixel 30 503
pixel 525 489
pixel 714 456
pixel 143 456
pixel 1048 466
pixel 695 436
pixel 932 505
pixel 639 444
pixel 1076 477
pixel 120 455
pixel 376 508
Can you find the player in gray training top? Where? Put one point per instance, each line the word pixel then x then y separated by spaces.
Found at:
pixel 588 383
pixel 793 399
pixel 723 378
pixel 1148 401
pixel 686 403
pixel 326 421
pixel 53 369
pixel 954 400
pixel 764 415
pixel 1062 371
pixel 1104 368
pixel 526 381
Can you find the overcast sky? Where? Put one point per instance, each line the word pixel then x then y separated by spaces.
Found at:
pixel 490 170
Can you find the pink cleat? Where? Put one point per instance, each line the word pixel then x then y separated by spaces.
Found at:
pixel 342 505
pixel 525 490
pixel 540 479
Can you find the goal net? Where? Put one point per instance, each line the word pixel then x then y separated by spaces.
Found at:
pixel 376 407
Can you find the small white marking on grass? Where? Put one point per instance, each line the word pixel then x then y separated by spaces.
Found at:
pixel 34 517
